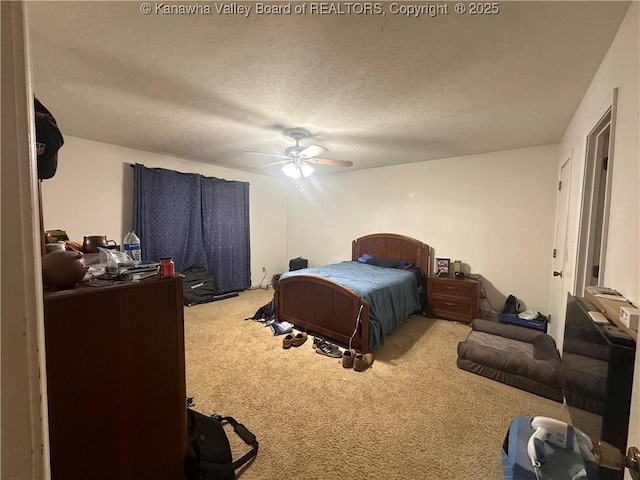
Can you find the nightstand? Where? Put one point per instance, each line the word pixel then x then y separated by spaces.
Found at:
pixel 452 298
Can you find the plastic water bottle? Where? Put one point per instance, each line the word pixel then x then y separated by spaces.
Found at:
pixel 132 247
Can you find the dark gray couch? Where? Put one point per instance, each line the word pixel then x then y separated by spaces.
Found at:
pixel 517 356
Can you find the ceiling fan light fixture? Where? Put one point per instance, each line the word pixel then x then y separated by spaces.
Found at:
pixel 291 170
pixel 297 171
pixel 306 170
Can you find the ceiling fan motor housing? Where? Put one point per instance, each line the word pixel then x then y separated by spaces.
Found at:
pixel 293 151
pixel 297 133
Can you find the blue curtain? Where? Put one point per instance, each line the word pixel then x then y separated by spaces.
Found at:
pixel 225 224
pixel 198 221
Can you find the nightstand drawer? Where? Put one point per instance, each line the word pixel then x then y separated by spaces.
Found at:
pixel 453 288
pixel 453 308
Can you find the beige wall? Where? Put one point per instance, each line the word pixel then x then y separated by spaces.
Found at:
pixel 619 69
pixel 494 212
pixel 92 194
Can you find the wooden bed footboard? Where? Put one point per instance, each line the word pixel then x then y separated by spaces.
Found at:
pixel 323 307
pixel 328 309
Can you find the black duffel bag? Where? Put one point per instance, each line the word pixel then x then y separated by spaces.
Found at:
pixel 199 286
pixel 210 456
pixel 298 263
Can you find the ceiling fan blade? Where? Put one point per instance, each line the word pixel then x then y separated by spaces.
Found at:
pixel 329 161
pixel 266 154
pixel 311 151
pixel 281 162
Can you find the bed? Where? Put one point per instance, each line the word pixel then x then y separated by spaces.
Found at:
pixel 332 304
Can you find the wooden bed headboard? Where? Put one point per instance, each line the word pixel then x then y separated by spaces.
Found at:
pixel 391 246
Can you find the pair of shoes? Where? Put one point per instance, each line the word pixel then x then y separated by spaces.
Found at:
pixel 347 358
pixel 362 362
pixel 291 340
pixel 325 347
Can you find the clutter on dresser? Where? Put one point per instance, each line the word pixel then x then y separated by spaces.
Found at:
pixel 442 267
pixel 55 247
pixel 113 265
pixel 167 267
pixel 105 267
pixel 132 246
pixel 91 243
pixel 56 235
pixel 62 270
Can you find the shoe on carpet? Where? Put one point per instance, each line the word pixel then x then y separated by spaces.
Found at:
pixel 362 362
pixel 299 339
pixel 287 341
pixel 347 358
pixel 317 341
pixel 328 349
pixel 294 340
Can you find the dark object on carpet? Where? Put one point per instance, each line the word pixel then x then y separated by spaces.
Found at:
pixel 209 454
pixel 199 286
pixel 516 356
pixel 327 348
pixel 265 312
pixel 267 317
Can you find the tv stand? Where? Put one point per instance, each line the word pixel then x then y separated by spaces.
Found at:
pixel 597 372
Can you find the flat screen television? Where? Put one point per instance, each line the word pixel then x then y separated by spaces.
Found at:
pixel 597 374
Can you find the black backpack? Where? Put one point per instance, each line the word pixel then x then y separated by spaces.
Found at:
pixel 511 306
pixel 199 286
pixel 209 456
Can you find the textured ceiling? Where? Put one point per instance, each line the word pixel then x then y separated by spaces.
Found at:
pixel 373 89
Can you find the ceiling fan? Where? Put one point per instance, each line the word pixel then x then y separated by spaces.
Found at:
pixel 297 159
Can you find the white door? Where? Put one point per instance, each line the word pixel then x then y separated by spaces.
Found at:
pixel 560 256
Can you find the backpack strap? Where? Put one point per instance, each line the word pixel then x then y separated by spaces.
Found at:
pixel 248 438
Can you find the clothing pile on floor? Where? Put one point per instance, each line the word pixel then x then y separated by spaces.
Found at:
pixel 267 317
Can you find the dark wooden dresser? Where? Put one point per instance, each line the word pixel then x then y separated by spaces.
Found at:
pixel 116 381
pixel 452 298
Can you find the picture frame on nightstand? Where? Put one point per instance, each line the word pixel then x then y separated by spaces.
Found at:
pixel 442 267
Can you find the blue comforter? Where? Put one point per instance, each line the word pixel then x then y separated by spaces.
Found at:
pixel 392 293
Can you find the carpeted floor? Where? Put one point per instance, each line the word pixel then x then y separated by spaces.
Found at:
pixel 413 415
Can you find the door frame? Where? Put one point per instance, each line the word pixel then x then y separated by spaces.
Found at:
pixel 586 242
pixel 24 409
